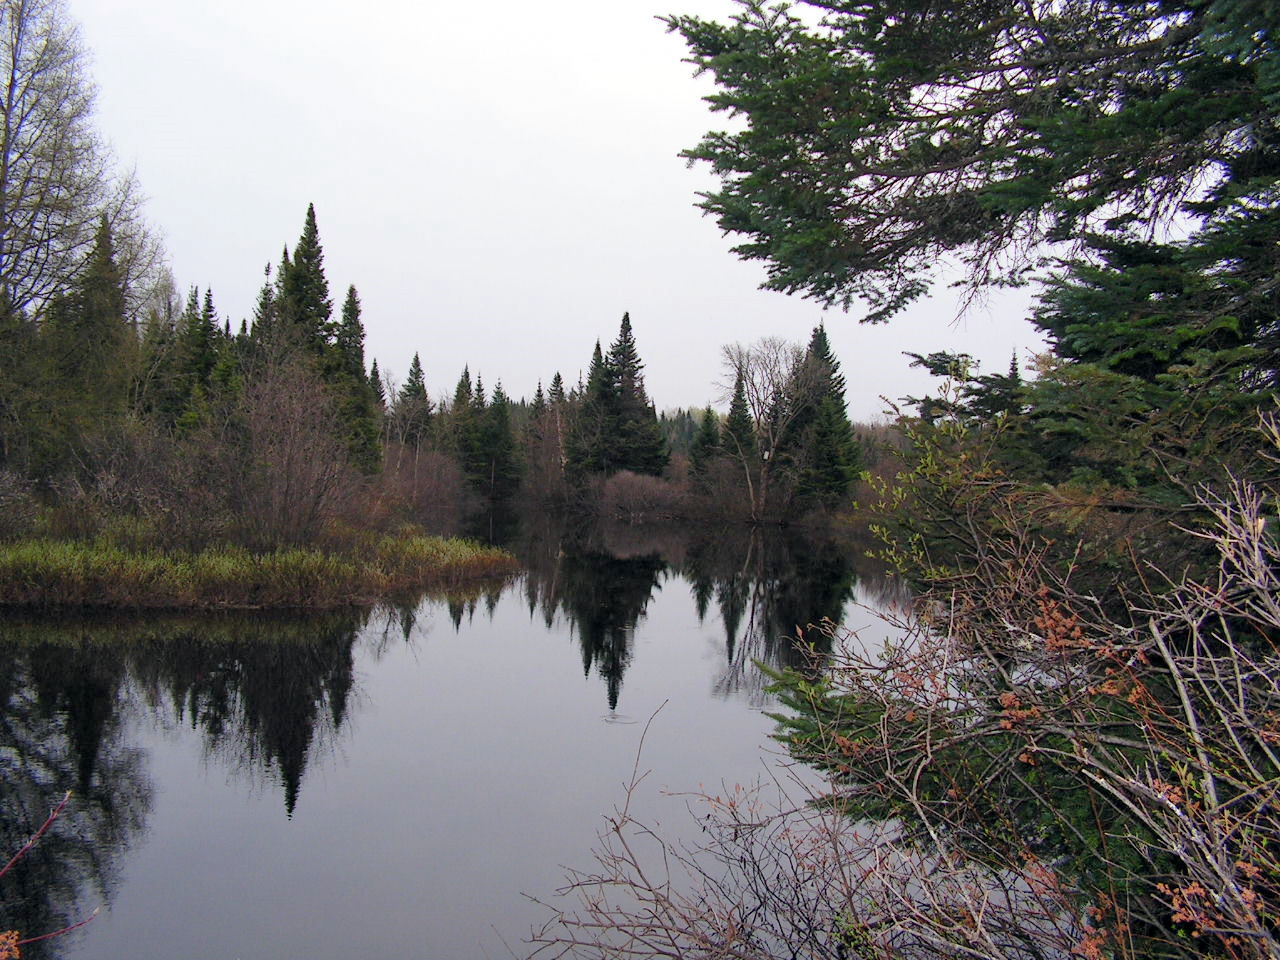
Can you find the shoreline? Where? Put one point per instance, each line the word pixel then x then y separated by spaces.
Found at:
pixel 48 574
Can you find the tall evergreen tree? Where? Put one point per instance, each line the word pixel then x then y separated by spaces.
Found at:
pixel 343 369
pixel 705 448
pixel 379 389
pixel 616 427
pixel 463 433
pixel 348 344
pixel 588 447
pixel 304 304
pixel 555 391
pixel 90 349
pixel 497 472
pixel 739 428
pixel 412 413
pixel 825 448
pixel 638 444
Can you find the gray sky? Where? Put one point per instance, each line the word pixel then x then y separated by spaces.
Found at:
pixel 500 181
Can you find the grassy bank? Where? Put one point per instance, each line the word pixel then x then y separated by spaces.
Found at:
pixel 53 573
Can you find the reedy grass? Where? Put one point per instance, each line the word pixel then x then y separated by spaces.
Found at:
pixel 58 573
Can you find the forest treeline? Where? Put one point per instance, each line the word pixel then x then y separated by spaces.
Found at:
pixel 172 426
pixel 135 412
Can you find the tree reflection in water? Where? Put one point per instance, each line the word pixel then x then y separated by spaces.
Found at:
pixel 769 587
pixel 265 693
pixel 61 728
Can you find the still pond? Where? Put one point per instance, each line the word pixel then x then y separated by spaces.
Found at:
pixel 389 783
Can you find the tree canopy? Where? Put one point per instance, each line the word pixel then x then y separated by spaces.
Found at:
pixel 877 139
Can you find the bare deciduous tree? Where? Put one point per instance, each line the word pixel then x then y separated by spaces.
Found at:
pixel 778 383
pixel 56 175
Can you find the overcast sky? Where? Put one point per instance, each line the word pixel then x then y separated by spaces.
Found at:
pixel 500 181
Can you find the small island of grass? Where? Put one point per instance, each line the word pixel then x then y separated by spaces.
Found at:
pixel 98 573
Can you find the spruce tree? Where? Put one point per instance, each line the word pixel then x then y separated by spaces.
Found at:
pixel 412 413
pixel 593 426
pixel 705 448
pixel 825 449
pixel 636 440
pixel 266 312
pixel 90 349
pixel 379 389
pixel 739 427
pixel 348 344
pixel 464 427
pixel 556 389
pixel 342 368
pixel 497 470
pixel 304 304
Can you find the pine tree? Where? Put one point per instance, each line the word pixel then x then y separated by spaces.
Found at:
pixel 616 427
pixel 591 430
pixel 379 389
pixel 342 368
pixel 266 312
pixel 705 448
pixel 825 448
pixel 412 413
pixel 464 429
pixel 739 428
pixel 89 347
pixel 638 444
pixel 304 304
pixel 497 469
pixel 348 344
pixel 199 340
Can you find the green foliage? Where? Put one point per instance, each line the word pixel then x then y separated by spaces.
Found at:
pixel 824 450
pixel 498 468
pixel 302 300
pixel 83 362
pixel 739 427
pixel 411 414
pixel 887 135
pixel 616 427
pixel 356 399
pixel 706 446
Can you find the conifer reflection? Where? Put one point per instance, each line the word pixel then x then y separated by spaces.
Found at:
pixel 601 581
pixel 264 693
pixel 771 589
pixel 604 598
pixel 62 716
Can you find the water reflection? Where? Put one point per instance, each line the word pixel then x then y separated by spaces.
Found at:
pixel 263 693
pixel 269 699
pixel 770 589
pixel 61 722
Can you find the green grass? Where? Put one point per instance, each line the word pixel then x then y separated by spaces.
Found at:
pixel 57 573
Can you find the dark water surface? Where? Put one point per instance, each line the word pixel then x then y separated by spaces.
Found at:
pixel 387 784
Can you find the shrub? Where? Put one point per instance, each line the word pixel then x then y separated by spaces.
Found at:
pixel 1028 771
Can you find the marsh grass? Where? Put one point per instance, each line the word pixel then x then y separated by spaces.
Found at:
pixel 99 573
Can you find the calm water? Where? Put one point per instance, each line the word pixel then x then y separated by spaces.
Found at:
pixel 387 784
